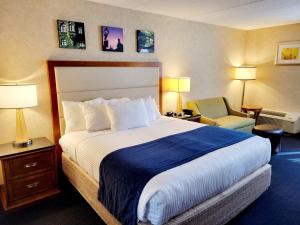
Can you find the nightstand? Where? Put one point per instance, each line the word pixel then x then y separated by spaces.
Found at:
pixel 195 118
pixel 29 174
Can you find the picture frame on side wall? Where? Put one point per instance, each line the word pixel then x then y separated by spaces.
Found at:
pixel 71 34
pixel 288 53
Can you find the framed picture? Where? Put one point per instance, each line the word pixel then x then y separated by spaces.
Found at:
pixel 71 34
pixel 145 41
pixel 112 39
pixel 288 53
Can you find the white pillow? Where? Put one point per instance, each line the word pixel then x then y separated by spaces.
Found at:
pixel 74 118
pixel 96 117
pixel 151 109
pixel 126 115
pixel 155 110
pixel 148 106
pixel 95 101
pixel 116 100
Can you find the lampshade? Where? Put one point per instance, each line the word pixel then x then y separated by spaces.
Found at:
pixel 18 96
pixel 178 84
pixel 245 73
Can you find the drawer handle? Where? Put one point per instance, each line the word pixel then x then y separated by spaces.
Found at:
pixel 33 185
pixel 28 165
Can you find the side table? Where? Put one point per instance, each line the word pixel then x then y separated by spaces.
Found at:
pixel 252 108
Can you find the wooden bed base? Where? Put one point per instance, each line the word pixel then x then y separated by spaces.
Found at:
pixel 215 211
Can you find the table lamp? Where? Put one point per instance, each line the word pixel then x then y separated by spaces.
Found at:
pixel 178 85
pixel 19 97
pixel 245 73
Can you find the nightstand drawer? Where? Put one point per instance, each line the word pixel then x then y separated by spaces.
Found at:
pixel 29 186
pixel 29 164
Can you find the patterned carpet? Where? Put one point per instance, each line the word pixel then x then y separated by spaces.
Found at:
pixel 280 205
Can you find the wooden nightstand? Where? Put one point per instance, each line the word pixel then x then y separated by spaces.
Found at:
pixel 29 174
pixel 195 118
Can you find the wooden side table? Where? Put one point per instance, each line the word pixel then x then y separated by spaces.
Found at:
pixel 252 108
pixel 29 174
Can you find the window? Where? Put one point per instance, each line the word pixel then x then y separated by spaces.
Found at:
pixel 71 27
pixel 63 28
pixel 63 42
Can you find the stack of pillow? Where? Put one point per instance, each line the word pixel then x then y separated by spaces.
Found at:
pixel 115 114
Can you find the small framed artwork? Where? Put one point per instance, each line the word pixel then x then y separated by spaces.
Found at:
pixel 145 41
pixel 288 53
pixel 71 34
pixel 112 39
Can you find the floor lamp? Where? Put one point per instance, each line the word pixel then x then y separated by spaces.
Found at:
pixel 245 73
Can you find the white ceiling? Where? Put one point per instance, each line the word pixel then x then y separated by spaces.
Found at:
pixel 241 14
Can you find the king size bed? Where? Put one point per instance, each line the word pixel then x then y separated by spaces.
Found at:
pixel 210 189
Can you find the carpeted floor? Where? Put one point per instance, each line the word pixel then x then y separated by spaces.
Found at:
pixel 280 205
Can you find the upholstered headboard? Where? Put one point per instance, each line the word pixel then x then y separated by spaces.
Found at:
pixel 85 80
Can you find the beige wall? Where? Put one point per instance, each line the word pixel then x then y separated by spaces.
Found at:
pixel 276 87
pixel 29 37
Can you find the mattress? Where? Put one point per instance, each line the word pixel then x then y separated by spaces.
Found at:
pixel 178 189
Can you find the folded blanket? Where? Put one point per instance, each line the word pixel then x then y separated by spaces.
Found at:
pixel 125 172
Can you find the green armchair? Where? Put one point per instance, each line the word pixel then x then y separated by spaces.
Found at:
pixel 217 112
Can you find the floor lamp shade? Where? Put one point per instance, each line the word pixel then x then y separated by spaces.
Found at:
pixel 245 73
pixel 178 85
pixel 19 97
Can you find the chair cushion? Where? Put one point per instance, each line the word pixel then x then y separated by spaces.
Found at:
pixel 212 107
pixel 235 122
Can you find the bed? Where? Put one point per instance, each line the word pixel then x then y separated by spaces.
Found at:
pixel 214 203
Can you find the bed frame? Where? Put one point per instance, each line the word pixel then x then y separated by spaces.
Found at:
pixel 215 211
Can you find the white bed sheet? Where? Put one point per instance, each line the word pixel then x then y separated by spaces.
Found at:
pixel 176 190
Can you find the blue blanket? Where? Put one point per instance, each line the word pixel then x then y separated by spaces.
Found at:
pixel 125 172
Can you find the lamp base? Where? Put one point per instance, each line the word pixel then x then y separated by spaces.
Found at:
pixel 179 103
pixel 22 144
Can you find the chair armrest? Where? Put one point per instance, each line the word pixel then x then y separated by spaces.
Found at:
pixel 236 113
pixel 208 121
pixel 233 112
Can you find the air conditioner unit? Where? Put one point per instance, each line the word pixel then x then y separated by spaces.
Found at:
pixel 288 121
